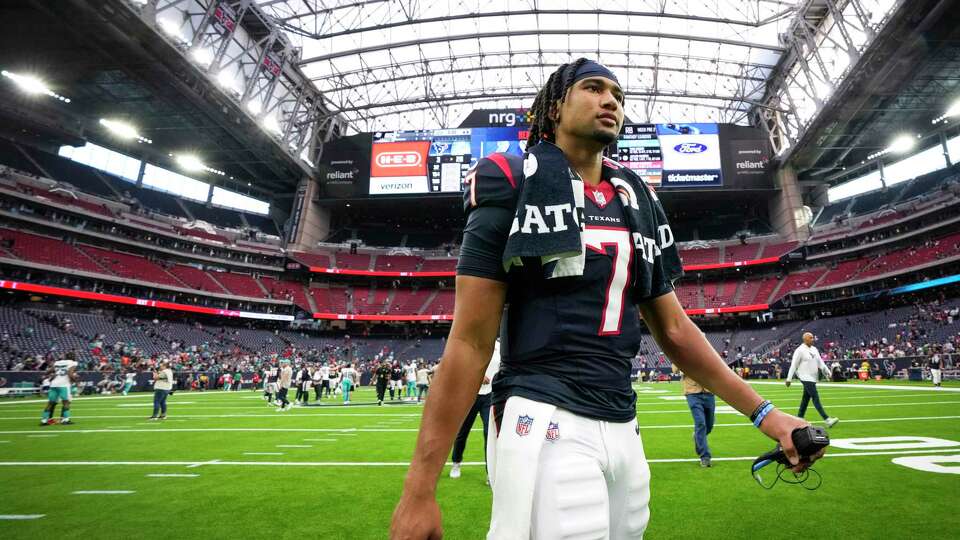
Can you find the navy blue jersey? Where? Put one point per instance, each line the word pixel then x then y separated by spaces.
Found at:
pixel 567 341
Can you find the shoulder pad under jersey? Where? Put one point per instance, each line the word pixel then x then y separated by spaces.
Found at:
pixel 493 181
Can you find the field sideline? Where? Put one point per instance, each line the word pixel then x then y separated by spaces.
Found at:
pixel 226 465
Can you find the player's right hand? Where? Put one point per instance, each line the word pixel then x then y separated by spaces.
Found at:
pixel 788 384
pixel 416 518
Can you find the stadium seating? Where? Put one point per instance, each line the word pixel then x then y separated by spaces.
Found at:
pixel 800 281
pixel 284 289
pixel 312 259
pixel 130 266
pixel 442 303
pixel 353 262
pixel 240 284
pixel 689 295
pixel 700 256
pixel 196 279
pixel 438 265
pixel 409 301
pixel 46 250
pixel 778 249
pixel 845 271
pixel 396 263
pixel 746 252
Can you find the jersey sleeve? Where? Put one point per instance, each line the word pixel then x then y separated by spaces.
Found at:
pixel 489 201
pixel 667 268
pixel 493 181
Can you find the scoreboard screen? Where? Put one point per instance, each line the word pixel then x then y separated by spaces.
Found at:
pixel 419 162
pixel 672 155
pixel 435 162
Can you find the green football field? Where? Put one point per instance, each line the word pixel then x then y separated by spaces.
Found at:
pixel 226 465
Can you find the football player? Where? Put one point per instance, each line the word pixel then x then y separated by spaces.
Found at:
pixel 396 381
pixel 64 374
pixel 564 409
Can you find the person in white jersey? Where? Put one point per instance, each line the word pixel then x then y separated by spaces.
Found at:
pixel 62 375
pixel 807 365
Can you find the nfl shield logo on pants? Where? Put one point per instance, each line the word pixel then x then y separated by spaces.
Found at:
pixel 553 431
pixel 524 423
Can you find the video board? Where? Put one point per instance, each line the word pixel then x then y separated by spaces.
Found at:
pixel 435 162
pixel 672 155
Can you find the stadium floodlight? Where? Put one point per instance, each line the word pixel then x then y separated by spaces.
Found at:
pixel 900 145
pixel 123 130
pixel 227 81
pixel 33 85
pixel 953 111
pixel 903 143
pixel 189 162
pixel 254 107
pixel 203 56
pixel 171 28
pixel 270 124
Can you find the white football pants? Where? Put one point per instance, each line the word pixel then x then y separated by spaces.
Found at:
pixel 559 476
pixel 935 376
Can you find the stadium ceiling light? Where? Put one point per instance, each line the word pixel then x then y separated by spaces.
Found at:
pixel 227 81
pixel 203 56
pixel 902 144
pixel 954 110
pixel 254 107
pixel 270 124
pixel 123 130
pixel 189 162
pixel 33 85
pixel 171 28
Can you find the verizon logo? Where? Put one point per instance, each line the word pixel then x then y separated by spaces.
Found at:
pixel 399 159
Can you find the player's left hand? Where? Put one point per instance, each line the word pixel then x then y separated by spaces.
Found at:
pixel 779 426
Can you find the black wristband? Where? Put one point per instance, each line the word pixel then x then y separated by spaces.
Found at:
pixel 753 415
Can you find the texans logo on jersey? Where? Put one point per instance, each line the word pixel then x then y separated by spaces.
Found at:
pixel 524 424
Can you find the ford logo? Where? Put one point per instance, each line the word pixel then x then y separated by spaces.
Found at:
pixel 690 148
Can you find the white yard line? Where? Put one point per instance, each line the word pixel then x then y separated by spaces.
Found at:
pixel 263 453
pixel 44 436
pixel 172 475
pixel 300 416
pixel 202 463
pixel 9 517
pixel 148 398
pixel 294 446
pixel 105 492
pixel 404 463
pixel 857 386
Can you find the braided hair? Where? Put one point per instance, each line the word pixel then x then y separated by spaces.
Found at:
pixel 542 127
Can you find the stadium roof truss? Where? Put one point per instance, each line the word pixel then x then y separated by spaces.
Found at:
pixel 824 43
pixel 408 64
pixel 309 70
pixel 252 60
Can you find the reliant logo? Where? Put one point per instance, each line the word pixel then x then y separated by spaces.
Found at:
pixel 690 148
pixel 399 159
pixel 751 164
pixel 340 175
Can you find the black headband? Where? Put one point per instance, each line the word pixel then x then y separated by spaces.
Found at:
pixel 594 69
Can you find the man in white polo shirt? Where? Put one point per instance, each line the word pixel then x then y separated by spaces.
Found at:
pixel 807 364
